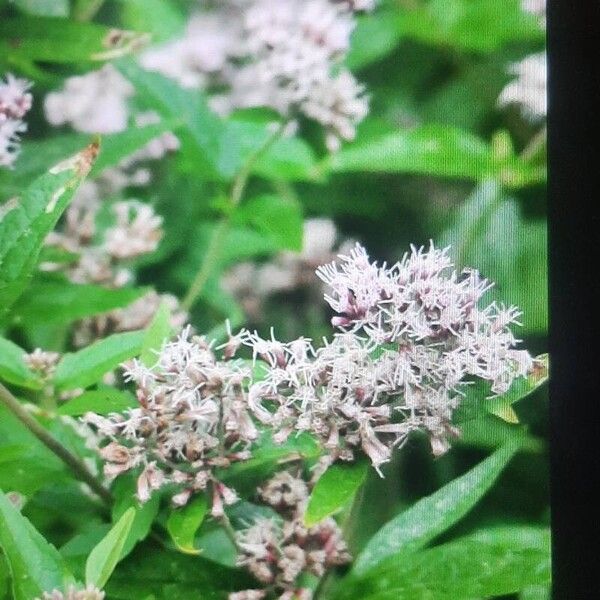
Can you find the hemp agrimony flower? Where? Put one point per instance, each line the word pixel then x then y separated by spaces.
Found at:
pixel 15 103
pixel 89 593
pixel 192 419
pixel 412 336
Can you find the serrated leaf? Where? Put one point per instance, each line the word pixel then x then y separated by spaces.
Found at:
pixel 13 368
pixel 155 335
pixel 334 490
pixel 86 367
pixel 183 523
pixel 489 563
pixel 102 402
pixel 26 221
pixel 104 557
pixel 35 565
pixel 429 517
pixel 59 302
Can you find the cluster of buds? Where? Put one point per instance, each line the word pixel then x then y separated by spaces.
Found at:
pixel 412 336
pixel 284 54
pixel 278 550
pixel 42 362
pixel 192 419
pixel 89 593
pixel 15 102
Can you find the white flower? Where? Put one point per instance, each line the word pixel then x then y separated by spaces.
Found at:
pixel 529 89
pixel 15 102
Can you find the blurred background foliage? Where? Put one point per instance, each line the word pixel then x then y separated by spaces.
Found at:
pixel 436 159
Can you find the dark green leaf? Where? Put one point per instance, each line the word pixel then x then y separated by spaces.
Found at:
pixel 86 367
pixel 183 523
pixel 34 564
pixel 104 557
pixel 334 490
pixel 429 517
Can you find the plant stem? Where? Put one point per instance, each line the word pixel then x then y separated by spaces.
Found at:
pixel 75 464
pixel 535 145
pixel 218 237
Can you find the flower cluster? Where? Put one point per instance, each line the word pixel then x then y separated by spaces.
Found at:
pixel 192 419
pixel 15 102
pixel 278 550
pixel 89 593
pixel 284 54
pixel 412 336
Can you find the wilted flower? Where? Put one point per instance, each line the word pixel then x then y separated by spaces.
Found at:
pixel 15 102
pixel 192 418
pixel 413 335
pixel 529 89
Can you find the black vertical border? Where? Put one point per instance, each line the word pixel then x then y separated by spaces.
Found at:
pixel 574 271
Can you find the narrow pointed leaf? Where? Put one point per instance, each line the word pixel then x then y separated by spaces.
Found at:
pixel 158 331
pixel 414 528
pixel 183 523
pixel 13 368
pixel 104 557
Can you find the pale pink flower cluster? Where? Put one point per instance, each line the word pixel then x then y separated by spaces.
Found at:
pixel 277 551
pixel 192 419
pixel 412 335
pixel 529 88
pixel 15 103
pixel 283 54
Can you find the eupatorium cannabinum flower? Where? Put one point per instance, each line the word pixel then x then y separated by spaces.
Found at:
pixel 192 418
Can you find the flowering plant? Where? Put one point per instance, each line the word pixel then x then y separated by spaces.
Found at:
pixel 272 300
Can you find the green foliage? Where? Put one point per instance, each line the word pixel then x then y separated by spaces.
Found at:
pixel 101 401
pixel 334 489
pixel 105 556
pixel 486 564
pixel 183 523
pixel 35 566
pixel 87 366
pixel 157 333
pixel 416 527
pixel 26 220
pixel 13 368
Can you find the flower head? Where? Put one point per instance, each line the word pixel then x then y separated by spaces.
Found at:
pixel 15 103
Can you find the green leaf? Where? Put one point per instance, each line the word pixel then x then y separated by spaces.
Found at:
pixel 489 232
pixel 56 40
pixel 429 517
pixel 277 218
pixel 44 8
pixel 334 489
pixel 183 523
pixel 58 302
pixel 490 563
pixel 35 565
pixel 158 331
pixel 439 150
pixel 124 491
pixel 104 557
pixel 102 402
pixel 13 368
pixel 83 368
pixel 161 19
pixel 196 126
pixel 25 222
